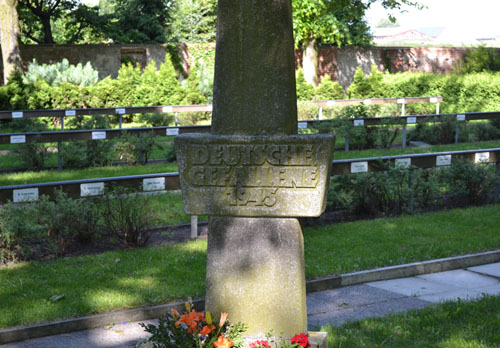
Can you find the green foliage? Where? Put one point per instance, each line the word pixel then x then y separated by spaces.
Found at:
pixel 328 89
pixel 331 22
pixel 469 183
pixel 136 149
pixel 128 216
pixel 138 21
pixel 55 74
pixel 44 228
pixel 486 131
pixel 398 190
pixel 305 91
pixel 31 155
pixel 371 86
pixel 442 132
pixel 87 153
pixel 192 21
pixel 156 119
pixel 65 21
pixel 478 60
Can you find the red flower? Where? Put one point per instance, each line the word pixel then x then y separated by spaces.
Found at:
pixel 260 344
pixel 206 330
pixel 302 340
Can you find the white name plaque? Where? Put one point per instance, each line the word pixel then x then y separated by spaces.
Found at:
pixel 367 101
pixel 91 189
pixel 17 139
pixel 433 100
pixel 302 125
pixel 330 103
pixel 460 117
pixel 25 195
pixel 482 157
pixel 359 167
pixel 359 123
pixel 411 120
pixel 168 109
pixel 98 135
pixel 443 160
pixel 401 101
pixel 172 131
pixel 120 111
pixel 70 113
pixel 153 184
pixel 402 162
pixel 17 114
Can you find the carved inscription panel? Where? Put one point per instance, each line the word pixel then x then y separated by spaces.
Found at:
pixel 254 175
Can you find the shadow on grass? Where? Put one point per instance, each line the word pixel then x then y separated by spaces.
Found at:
pixel 100 283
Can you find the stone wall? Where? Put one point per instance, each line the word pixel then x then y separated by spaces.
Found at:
pixel 105 58
pixel 339 63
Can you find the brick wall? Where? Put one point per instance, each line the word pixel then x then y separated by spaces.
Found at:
pixel 339 63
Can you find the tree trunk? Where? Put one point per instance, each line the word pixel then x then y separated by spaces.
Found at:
pixel 310 62
pixel 47 29
pixel 10 34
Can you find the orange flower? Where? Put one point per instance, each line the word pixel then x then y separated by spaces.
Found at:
pixel 191 320
pixel 223 318
pixel 175 314
pixel 206 330
pixel 223 342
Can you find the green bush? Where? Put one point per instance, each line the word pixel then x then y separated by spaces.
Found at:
pixel 62 72
pixel 305 91
pixel 45 228
pixel 479 59
pixel 128 216
pixel 468 183
pixel 485 131
pixel 328 89
pixel 156 119
pixel 439 132
pixel 136 149
pixel 31 155
pixel 397 190
pixel 372 86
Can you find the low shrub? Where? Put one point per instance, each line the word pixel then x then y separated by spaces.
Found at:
pixel 396 190
pixel 31 155
pixel 127 216
pixel 439 132
pixel 468 183
pixel 45 228
pixel 136 149
pixel 485 131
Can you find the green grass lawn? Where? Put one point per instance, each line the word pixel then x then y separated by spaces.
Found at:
pixel 89 173
pixel 474 324
pixel 124 279
pixel 340 155
pixel 73 174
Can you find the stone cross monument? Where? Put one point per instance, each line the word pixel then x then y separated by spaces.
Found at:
pixel 253 175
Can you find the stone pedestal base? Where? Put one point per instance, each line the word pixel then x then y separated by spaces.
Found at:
pixel 255 272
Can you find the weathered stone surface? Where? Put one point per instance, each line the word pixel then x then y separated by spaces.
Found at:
pixel 275 176
pixel 255 272
pixel 254 83
pixel 255 266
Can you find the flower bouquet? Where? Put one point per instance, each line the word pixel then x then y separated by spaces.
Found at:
pixel 194 330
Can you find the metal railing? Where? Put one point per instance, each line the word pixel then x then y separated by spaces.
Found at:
pixel 170 181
